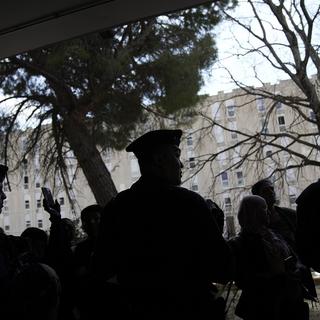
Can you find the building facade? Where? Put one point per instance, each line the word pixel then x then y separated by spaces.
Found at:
pixel 221 161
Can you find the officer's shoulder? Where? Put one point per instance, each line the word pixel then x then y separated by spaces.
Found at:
pixel 187 194
pixel 121 196
pixel 119 199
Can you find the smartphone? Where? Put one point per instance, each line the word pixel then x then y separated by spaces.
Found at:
pixel 48 196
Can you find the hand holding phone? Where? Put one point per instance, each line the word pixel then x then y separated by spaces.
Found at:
pixel 48 196
pixel 51 206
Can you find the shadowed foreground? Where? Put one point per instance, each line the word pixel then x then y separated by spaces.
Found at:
pixel 233 298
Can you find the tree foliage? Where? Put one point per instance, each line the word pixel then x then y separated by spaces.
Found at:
pixel 96 90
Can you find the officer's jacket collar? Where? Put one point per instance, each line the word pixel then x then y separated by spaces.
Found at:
pixel 146 182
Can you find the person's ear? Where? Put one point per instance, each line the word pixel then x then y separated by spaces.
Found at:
pixel 159 159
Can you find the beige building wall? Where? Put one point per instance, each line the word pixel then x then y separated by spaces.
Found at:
pixel 225 184
pixel 210 176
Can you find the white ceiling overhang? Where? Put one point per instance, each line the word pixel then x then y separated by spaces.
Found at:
pixel 27 25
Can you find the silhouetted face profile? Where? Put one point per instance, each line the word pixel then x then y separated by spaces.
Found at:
pixel 168 164
pixel 158 155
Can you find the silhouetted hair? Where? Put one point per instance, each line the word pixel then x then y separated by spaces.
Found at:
pixel 257 186
pixel 250 214
pixel 35 292
pixel 90 209
pixel 35 234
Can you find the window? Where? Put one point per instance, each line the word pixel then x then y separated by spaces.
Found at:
pixel 28 223
pixel 281 123
pixel 260 104
pixel 38 203
pixel 281 120
pixel 26 182
pixel 227 204
pixel 5 206
pixel 27 204
pixel 233 126
pixel 5 186
pixel 264 125
pixel 225 179
pixel 189 140
pixel 231 112
pixel 40 224
pixel 194 187
pixel 240 179
pixel 6 227
pixel 61 201
pixel 192 163
pixel 25 166
pixel 37 184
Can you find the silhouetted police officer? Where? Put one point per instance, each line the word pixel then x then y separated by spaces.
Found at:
pixel 158 241
pixel 308 220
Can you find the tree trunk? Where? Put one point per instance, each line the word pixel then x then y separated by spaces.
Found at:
pixel 89 159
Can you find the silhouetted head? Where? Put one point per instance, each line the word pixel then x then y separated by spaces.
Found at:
pixel 90 219
pixel 158 155
pixel 253 214
pixel 69 229
pixel 3 173
pixel 38 240
pixel 35 293
pixel 265 189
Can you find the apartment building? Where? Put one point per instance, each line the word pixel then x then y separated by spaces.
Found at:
pixel 218 157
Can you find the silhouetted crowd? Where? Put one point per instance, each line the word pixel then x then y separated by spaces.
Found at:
pixel 157 251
